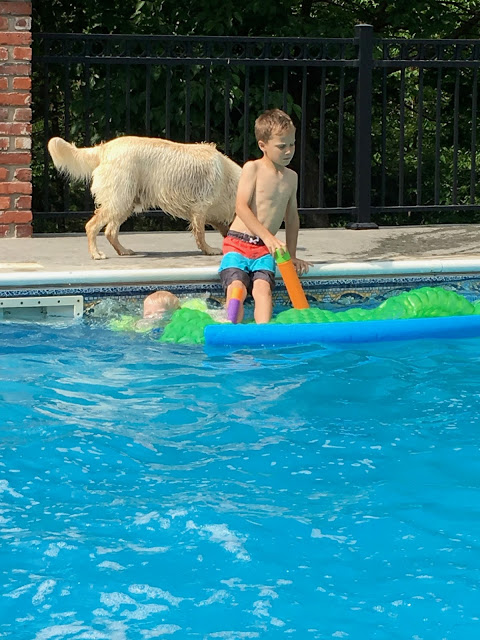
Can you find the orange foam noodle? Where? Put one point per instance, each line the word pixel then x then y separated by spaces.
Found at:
pixel 293 285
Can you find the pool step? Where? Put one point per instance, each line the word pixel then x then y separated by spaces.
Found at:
pixel 41 308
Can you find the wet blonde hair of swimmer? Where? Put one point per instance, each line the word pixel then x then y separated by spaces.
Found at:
pixel 270 123
pixel 159 302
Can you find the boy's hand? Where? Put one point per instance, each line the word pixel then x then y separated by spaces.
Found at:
pixel 273 243
pixel 302 266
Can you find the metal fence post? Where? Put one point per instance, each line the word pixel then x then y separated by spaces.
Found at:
pixel 363 125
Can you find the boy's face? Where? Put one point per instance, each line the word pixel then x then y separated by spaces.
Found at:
pixel 280 148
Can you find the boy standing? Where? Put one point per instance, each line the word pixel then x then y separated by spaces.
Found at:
pixel 266 196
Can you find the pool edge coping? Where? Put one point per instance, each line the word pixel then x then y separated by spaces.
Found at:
pixel 210 274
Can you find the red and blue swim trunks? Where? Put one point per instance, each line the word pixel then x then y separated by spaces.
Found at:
pixel 246 258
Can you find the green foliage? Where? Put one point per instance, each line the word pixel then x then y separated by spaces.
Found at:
pixel 113 98
pixel 314 18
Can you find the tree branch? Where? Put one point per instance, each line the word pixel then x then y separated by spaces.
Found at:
pixel 467 27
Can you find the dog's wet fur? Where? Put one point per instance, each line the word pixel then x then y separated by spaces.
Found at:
pixel 130 174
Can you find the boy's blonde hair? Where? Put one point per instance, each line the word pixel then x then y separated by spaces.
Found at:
pixel 158 303
pixel 271 122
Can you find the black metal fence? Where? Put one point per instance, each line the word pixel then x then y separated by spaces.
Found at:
pixel 386 129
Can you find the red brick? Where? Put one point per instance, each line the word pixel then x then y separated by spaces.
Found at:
pixel 15 217
pixel 7 231
pixel 22 53
pixel 16 158
pixel 21 217
pixel 22 83
pixel 4 84
pixel 3 114
pixel 11 38
pixel 4 143
pixel 15 187
pixel 4 173
pixel 15 128
pixel 23 202
pixel 23 231
pixel 16 8
pixel 25 142
pixel 24 175
pixel 4 203
pixel 3 24
pixel 15 99
pixel 3 53
pixel 15 69
pixel 22 115
pixel 23 23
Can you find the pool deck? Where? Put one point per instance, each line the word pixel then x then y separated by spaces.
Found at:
pixel 173 256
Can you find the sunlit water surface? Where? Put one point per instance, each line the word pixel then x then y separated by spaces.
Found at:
pixel 150 491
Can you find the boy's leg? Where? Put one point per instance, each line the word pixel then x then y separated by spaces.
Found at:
pixel 263 285
pixel 232 277
pixel 262 294
pixel 240 285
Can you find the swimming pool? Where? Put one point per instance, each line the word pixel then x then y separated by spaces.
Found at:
pixel 151 490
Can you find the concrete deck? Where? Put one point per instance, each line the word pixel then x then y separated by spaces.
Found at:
pixel 43 259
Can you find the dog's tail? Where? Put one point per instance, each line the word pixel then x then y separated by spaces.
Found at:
pixel 76 163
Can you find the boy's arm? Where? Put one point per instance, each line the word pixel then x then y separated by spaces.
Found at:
pixel 292 226
pixel 245 191
pixel 292 222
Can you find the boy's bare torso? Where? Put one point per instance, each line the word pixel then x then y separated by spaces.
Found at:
pixel 271 193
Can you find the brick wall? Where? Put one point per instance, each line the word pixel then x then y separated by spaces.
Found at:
pixel 15 119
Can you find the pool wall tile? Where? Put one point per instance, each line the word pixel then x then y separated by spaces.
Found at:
pixel 332 293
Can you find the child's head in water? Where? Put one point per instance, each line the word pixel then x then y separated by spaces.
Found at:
pixel 159 303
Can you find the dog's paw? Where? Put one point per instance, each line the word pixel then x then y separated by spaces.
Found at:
pixel 126 252
pixel 210 251
pixel 99 255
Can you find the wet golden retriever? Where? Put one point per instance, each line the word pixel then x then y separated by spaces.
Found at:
pixel 130 174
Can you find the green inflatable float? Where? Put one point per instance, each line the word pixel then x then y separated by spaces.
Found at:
pixel 188 323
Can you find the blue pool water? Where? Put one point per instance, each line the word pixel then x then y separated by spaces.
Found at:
pixel 152 491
